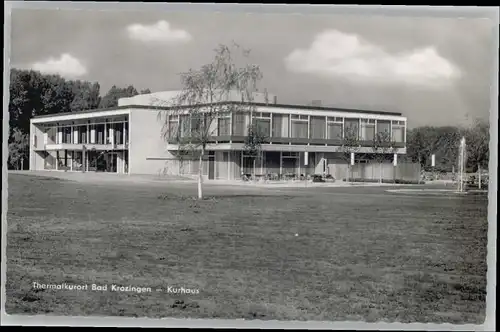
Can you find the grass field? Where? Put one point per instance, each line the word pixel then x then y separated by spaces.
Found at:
pixel 360 253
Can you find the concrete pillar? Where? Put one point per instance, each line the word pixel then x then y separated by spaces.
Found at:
pixel 45 138
pixel 75 135
pixel 112 136
pixel 92 136
pixel 123 162
pixel 59 135
pixel 105 133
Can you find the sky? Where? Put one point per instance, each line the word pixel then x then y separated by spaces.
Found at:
pixel 436 71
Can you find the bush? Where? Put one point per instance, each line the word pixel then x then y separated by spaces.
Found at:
pixel 318 178
pixel 396 181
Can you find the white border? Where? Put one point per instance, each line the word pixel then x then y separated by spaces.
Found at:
pixel 485 12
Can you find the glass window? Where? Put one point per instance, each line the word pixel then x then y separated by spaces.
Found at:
pixel 299 127
pixel 280 125
pixel 318 127
pixel 238 124
pixel 67 135
pixel 99 128
pixel 351 128
pixel 263 126
pixel 334 130
pixel 383 126
pixel 398 133
pixel 367 130
pixel 173 122
pixel 184 125
pixel 223 124
pixel 82 134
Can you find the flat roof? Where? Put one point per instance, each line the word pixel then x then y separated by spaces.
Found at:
pixel 292 106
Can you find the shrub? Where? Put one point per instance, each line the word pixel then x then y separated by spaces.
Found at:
pixel 396 181
pixel 318 178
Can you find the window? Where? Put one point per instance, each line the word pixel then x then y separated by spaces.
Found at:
pixel 99 128
pixel 196 123
pixel 317 127
pixel 239 123
pixel 82 134
pixel 280 125
pixel 118 133
pixel 173 123
pixel 367 129
pixel 398 131
pixel 184 125
pixel 334 128
pixel 224 124
pixel 351 128
pixel 67 139
pixel 383 126
pixel 299 126
pixel 262 122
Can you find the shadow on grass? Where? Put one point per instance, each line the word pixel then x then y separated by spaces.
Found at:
pixel 36 178
pixel 215 198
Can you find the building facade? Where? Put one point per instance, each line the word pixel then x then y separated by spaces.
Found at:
pixel 131 139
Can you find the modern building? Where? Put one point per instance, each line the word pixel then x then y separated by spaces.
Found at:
pixel 130 138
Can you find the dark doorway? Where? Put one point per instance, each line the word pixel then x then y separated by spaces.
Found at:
pixel 211 167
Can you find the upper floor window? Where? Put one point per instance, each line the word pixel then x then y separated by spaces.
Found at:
pixel 367 129
pixel 299 124
pixel 173 123
pixel 335 119
pixel 224 124
pixel 398 131
pixel 262 121
pixel 317 127
pixel 280 124
pixel 351 129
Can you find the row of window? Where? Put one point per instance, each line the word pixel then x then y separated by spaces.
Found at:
pixel 294 126
pixel 112 133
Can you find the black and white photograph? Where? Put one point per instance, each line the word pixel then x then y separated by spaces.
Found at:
pixel 249 164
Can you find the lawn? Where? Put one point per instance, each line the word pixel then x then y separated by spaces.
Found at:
pixel 289 254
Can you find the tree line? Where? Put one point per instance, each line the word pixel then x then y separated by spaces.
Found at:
pixel 33 93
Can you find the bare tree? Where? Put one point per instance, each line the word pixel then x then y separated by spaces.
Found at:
pixel 205 98
pixel 253 143
pixel 382 145
pixel 350 144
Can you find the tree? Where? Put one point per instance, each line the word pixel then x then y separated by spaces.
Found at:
pixel 382 145
pixel 115 93
pixel 145 91
pixel 477 139
pixel 253 143
pixel 18 149
pixel 86 95
pixel 443 142
pixel 204 98
pixel 350 144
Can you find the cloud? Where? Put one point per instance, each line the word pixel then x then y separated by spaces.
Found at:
pixel 66 65
pixel 337 54
pixel 158 32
